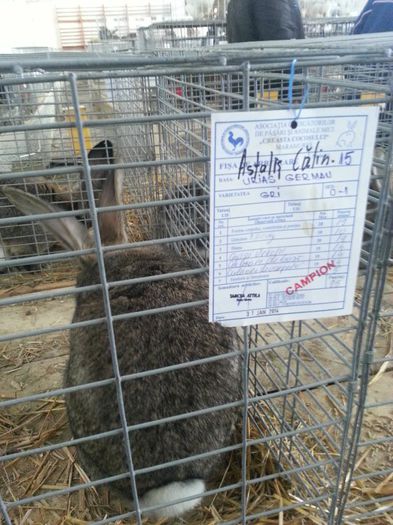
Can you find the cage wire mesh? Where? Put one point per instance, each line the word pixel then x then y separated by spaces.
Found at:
pixel 104 27
pixel 314 443
pixel 188 34
pixel 31 143
pixel 322 27
pixel 182 34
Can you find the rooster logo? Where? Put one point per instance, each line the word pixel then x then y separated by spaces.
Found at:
pixel 235 139
pixel 239 141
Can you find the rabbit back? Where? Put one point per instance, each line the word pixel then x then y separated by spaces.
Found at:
pixel 146 343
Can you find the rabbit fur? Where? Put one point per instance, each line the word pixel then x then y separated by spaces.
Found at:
pixel 145 343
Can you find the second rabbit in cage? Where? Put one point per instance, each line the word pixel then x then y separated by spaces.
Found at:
pixel 29 239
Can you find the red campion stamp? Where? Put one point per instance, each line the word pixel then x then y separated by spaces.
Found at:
pixel 305 281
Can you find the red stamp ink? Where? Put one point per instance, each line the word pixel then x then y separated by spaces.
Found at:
pixel 305 281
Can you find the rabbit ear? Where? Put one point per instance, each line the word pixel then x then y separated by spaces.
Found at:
pixel 102 153
pixel 111 223
pixel 67 230
pixel 107 185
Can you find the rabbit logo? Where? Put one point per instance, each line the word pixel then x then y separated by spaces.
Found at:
pixel 346 139
pixel 235 139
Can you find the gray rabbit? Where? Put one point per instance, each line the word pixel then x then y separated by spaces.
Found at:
pixel 146 343
pixel 29 239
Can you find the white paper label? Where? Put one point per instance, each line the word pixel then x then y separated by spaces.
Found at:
pixel 287 212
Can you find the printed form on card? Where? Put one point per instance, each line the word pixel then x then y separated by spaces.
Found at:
pixel 287 208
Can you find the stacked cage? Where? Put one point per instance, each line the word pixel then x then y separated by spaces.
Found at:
pixel 322 27
pixel 182 34
pixel 189 34
pixel 314 414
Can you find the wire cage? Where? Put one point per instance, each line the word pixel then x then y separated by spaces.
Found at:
pixel 188 34
pixel 30 142
pixel 103 26
pixel 335 26
pixel 313 439
pixel 114 46
pixel 182 34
